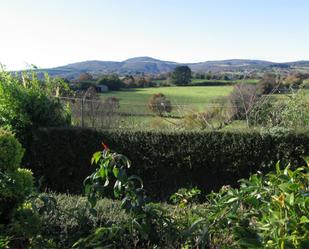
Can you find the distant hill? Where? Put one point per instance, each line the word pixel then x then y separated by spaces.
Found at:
pixel 230 65
pixel 150 65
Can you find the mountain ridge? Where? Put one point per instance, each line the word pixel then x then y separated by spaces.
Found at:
pixel 150 65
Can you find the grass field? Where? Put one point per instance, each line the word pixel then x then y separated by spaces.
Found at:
pixel 134 111
pixel 205 82
pixel 247 81
pixel 194 97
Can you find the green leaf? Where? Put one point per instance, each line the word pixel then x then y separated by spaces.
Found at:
pixel 290 199
pixel 96 157
pixel 106 182
pixel 304 219
pixel 115 172
pixel 232 200
pixel 278 171
pixel 102 173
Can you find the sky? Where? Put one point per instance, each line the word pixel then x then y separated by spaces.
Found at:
pixel 49 33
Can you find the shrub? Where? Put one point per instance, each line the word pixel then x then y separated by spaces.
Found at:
pixel 25 105
pixel 213 118
pixel 11 151
pixel 159 104
pixel 242 100
pixel 15 183
pixel 71 219
pixel 296 111
pixel 290 113
pixel 293 80
pixel 268 84
pixel 166 161
pixel 265 212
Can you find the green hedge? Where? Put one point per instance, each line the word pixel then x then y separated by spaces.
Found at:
pixel 165 161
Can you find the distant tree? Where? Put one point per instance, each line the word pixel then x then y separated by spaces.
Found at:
pixel 242 100
pixel 85 77
pixel 159 104
pixel 129 81
pixel 268 83
pixel 293 80
pixel 181 76
pixel 141 81
pixel 209 75
pixel 111 81
pixel 225 77
pixel 196 75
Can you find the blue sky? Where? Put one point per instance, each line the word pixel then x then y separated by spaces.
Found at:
pixel 52 33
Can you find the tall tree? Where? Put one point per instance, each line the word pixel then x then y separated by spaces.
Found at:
pixel 181 76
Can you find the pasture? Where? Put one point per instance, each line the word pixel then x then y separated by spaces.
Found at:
pixel 197 97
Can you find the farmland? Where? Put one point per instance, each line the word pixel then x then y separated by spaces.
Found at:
pixel 195 96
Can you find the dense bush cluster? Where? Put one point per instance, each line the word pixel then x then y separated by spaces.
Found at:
pixel 290 112
pixel 16 184
pixel 27 103
pixel 166 161
pixel 266 211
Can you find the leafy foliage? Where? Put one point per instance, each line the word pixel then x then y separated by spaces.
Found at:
pixel 269 83
pixel 15 183
pixel 26 103
pixel 184 196
pixel 11 151
pixel 166 161
pixel 181 76
pixel 111 81
pixel 265 212
pixel 292 112
pixel 17 221
pixel 149 222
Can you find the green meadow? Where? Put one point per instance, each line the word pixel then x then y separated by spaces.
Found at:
pixel 197 97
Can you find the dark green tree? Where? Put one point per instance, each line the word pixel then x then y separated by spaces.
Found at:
pixel 181 76
pixel 111 81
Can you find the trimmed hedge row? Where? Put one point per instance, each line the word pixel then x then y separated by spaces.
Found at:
pixel 165 161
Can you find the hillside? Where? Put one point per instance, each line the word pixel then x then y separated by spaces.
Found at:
pixel 150 65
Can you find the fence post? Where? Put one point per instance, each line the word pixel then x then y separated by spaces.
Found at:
pixel 82 112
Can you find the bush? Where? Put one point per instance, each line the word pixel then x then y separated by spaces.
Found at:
pixel 265 212
pixel 159 104
pixel 71 219
pixel 242 99
pixel 11 151
pixel 15 183
pixel 296 111
pixel 289 113
pixel 214 118
pixel 268 84
pixel 166 161
pixel 25 104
